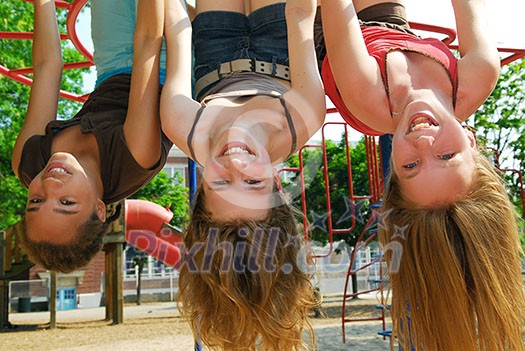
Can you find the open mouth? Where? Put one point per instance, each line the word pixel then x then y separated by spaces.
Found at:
pixel 419 122
pixel 57 168
pixel 236 148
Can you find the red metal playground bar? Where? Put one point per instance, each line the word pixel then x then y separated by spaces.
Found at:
pixel 447 35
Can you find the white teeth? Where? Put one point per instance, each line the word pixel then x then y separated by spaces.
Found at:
pixel 57 170
pixel 421 123
pixel 420 126
pixel 236 150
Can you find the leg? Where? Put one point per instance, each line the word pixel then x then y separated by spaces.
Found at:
pixel 257 4
pixel 220 5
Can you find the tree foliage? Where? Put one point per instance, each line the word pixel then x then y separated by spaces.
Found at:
pixel 500 123
pixel 166 191
pixel 345 214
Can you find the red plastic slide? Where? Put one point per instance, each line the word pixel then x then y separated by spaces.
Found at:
pixel 147 231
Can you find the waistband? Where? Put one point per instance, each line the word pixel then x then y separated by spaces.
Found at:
pixel 242 65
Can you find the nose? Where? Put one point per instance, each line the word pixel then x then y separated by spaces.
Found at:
pixel 424 142
pixel 51 183
pixel 237 163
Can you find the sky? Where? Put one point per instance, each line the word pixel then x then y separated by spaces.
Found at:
pixel 505 20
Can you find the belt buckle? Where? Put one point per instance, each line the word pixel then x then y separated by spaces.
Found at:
pixel 242 65
pixel 225 69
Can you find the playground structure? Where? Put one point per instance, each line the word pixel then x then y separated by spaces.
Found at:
pixel 153 236
pixel 142 224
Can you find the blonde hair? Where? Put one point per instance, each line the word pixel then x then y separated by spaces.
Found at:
pixel 232 306
pixel 457 282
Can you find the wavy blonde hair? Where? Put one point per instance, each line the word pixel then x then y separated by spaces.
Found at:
pixel 456 282
pixel 232 305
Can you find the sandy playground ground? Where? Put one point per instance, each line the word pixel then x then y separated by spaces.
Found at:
pixel 159 327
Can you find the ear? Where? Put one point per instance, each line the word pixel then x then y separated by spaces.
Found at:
pixel 277 180
pixel 101 210
pixel 472 138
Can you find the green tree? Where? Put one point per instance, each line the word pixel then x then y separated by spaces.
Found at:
pixel 350 208
pixel 345 214
pixel 166 191
pixel 17 16
pixel 500 123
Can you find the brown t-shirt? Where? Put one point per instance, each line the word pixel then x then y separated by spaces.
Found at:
pixel 103 114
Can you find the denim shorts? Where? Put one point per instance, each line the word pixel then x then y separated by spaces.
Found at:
pixel 223 36
pixel 112 28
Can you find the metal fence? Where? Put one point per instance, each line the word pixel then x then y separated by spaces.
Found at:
pixel 27 295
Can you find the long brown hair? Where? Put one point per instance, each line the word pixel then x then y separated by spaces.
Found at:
pixel 260 297
pixel 457 283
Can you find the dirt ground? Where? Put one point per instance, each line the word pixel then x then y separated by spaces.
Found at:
pixel 159 327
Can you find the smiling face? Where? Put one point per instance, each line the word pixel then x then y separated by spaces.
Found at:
pixel 238 178
pixel 61 197
pixel 433 156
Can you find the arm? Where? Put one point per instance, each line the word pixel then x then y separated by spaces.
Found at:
pixel 178 109
pixel 479 63
pixel 142 125
pixel 307 93
pixel 356 73
pixel 45 90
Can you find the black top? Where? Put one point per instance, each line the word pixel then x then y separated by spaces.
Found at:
pixel 103 114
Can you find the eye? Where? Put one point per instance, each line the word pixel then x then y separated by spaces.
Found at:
pixel 35 201
pixel 220 182
pixel 446 156
pixel 253 181
pixel 67 202
pixel 411 165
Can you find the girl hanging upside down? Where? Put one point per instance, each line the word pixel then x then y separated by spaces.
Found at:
pixel 258 99
pixel 449 229
pixel 113 145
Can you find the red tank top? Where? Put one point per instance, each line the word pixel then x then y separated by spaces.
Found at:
pixel 379 42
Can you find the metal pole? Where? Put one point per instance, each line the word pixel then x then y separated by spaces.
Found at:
pixel 385 143
pixel 192 170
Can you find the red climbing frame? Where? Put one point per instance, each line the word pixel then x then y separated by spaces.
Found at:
pixel 374 179
pixel 21 74
pixel 373 159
